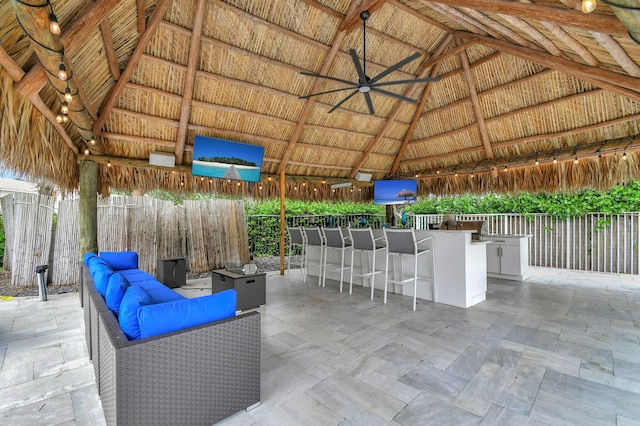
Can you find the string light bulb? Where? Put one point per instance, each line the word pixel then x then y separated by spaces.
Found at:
pixel 65 107
pixel 59 118
pixel 86 151
pixel 624 156
pixel 588 6
pixel 65 118
pixel 54 26
pixel 108 163
pixel 67 94
pixel 62 72
pixel 537 163
pixel 92 141
pixel 575 161
pixel 555 161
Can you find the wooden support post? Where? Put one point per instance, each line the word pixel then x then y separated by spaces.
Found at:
pixel 88 207
pixel 282 221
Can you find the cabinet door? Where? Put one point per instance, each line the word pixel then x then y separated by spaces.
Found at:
pixel 493 258
pixel 510 260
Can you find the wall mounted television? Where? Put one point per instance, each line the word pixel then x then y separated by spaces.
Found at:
pixel 395 191
pixel 219 158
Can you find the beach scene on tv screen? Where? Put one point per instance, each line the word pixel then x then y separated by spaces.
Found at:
pixel 394 191
pixel 219 158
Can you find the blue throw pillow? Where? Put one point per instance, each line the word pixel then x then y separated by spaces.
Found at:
pixel 120 259
pixel 171 316
pixel 134 298
pixel 101 277
pixel 116 288
pixel 94 263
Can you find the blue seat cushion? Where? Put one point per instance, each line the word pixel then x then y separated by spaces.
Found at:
pixel 87 256
pixel 101 275
pixel 133 299
pixel 120 259
pixel 136 275
pixel 159 292
pixel 118 285
pixel 171 316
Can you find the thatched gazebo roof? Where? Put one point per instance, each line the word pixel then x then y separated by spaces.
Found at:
pixel 533 94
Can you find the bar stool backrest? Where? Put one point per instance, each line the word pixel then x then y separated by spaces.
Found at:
pixel 295 235
pixel 362 239
pixel 400 241
pixel 334 237
pixel 314 238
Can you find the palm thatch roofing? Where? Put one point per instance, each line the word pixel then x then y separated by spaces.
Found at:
pixel 533 94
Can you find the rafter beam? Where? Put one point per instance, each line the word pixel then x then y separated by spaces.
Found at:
pixel 189 80
pixel 110 49
pixel 424 70
pixel 506 31
pixel 477 110
pixel 107 106
pixel 621 84
pixel 309 104
pixel 72 39
pixel 528 139
pixel 141 16
pixel 593 22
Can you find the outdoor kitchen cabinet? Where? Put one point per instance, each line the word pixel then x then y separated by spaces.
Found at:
pixel 507 256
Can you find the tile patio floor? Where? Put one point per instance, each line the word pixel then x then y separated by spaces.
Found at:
pixel 561 348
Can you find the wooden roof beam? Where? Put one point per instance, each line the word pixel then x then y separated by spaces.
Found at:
pixel 532 32
pixel 593 22
pixel 16 73
pixel 189 80
pixel 423 99
pixel 506 31
pixel 463 20
pixel 110 49
pixel 477 109
pixel 396 110
pixel 309 104
pixel 107 106
pixel 72 38
pixel 528 139
pixel 621 84
pixel 141 16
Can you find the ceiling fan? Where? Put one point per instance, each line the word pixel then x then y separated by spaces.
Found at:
pixel 365 85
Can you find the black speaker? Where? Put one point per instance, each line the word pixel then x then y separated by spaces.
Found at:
pixel 172 272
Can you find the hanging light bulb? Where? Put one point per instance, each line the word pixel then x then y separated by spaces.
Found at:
pixel 92 141
pixel 62 72
pixel 624 156
pixel 54 27
pixel 537 163
pixel 108 163
pixel 86 151
pixel 555 161
pixel 575 161
pixel 67 94
pixel 65 118
pixel 588 6
pixel 59 118
pixel 65 107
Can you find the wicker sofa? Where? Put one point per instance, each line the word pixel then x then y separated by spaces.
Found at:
pixel 195 376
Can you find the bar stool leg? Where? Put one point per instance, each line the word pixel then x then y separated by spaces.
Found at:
pixel 386 277
pixel 415 280
pixel 351 272
pixel 372 281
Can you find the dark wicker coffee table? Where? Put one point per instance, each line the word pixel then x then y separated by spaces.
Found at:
pixel 250 288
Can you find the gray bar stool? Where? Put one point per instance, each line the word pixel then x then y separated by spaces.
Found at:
pixel 296 243
pixel 313 238
pixel 401 243
pixel 335 240
pixel 362 240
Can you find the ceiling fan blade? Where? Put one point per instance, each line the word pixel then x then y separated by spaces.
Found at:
pixel 356 62
pixel 343 101
pixel 328 77
pixel 399 65
pixel 328 91
pixel 394 95
pixel 411 81
pixel 367 97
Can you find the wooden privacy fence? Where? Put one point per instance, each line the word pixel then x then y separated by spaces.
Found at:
pixel 594 242
pixel 207 233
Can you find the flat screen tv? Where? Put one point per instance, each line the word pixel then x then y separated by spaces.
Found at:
pixel 395 191
pixel 219 158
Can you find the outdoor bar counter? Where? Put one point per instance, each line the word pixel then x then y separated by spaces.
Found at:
pixel 461 268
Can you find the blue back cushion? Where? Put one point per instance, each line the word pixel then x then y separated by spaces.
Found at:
pixel 116 288
pixel 120 259
pixel 159 292
pixel 185 313
pixel 134 298
pixel 101 275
